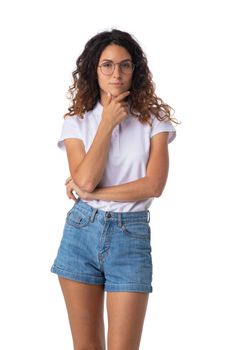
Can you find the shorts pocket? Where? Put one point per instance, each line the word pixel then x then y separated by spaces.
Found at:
pixel 137 230
pixel 78 218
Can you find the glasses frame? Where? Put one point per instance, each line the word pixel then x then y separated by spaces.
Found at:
pixel 114 65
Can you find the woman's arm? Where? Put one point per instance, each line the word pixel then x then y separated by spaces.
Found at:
pixel 87 168
pixel 129 192
pixel 151 185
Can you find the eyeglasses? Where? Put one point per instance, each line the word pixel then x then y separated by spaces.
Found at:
pixel 107 68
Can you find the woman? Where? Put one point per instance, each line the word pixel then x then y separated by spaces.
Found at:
pixel 116 138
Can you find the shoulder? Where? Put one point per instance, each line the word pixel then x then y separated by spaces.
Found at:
pixel 76 119
pixel 159 126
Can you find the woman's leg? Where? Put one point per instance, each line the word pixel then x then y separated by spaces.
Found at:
pixel 85 305
pixel 126 313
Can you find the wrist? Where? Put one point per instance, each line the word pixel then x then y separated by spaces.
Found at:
pixel 106 126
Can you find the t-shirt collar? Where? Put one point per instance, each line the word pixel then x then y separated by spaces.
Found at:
pixel 98 109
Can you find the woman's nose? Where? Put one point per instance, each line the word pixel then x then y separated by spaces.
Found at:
pixel 117 70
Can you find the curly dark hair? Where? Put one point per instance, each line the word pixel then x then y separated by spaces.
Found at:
pixel 85 93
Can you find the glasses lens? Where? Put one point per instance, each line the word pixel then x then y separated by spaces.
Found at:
pixel 107 68
pixel 126 67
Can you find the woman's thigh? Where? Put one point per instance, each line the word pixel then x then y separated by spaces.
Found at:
pixel 126 312
pixel 85 306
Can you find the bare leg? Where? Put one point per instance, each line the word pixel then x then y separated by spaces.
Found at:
pixel 126 313
pixel 85 305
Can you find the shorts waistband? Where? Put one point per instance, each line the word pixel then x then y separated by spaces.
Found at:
pixel 120 217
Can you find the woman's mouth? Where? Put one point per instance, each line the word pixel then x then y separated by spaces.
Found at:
pixel 116 84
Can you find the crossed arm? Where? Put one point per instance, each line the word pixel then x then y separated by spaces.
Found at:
pixel 128 192
pixel 151 185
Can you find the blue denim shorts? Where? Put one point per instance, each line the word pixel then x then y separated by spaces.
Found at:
pixel 107 248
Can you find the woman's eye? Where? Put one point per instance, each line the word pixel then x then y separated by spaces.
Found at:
pixel 107 64
pixel 126 65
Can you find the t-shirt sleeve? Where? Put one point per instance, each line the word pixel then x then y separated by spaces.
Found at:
pixel 70 129
pixel 160 126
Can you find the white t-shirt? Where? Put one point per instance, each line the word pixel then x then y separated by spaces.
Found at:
pixel 128 152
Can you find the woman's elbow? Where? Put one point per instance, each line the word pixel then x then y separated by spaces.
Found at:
pixel 84 185
pixel 158 191
pixel 87 187
pixel 157 194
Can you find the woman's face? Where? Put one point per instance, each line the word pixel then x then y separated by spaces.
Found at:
pixel 118 81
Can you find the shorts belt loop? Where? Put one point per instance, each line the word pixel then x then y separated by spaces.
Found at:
pixel 93 214
pixel 148 219
pixel 119 220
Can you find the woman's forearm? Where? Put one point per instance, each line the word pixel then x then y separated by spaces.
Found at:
pixel 90 171
pixel 129 192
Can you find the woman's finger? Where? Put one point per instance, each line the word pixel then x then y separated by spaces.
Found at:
pixel 70 193
pixel 68 180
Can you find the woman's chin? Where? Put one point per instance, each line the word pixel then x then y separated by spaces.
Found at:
pixel 115 91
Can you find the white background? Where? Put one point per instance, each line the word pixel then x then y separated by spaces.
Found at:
pixel 189 48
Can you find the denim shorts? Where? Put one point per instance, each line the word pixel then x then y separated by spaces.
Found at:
pixel 106 248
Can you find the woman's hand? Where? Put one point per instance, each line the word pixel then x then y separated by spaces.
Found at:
pixel 115 108
pixel 71 186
